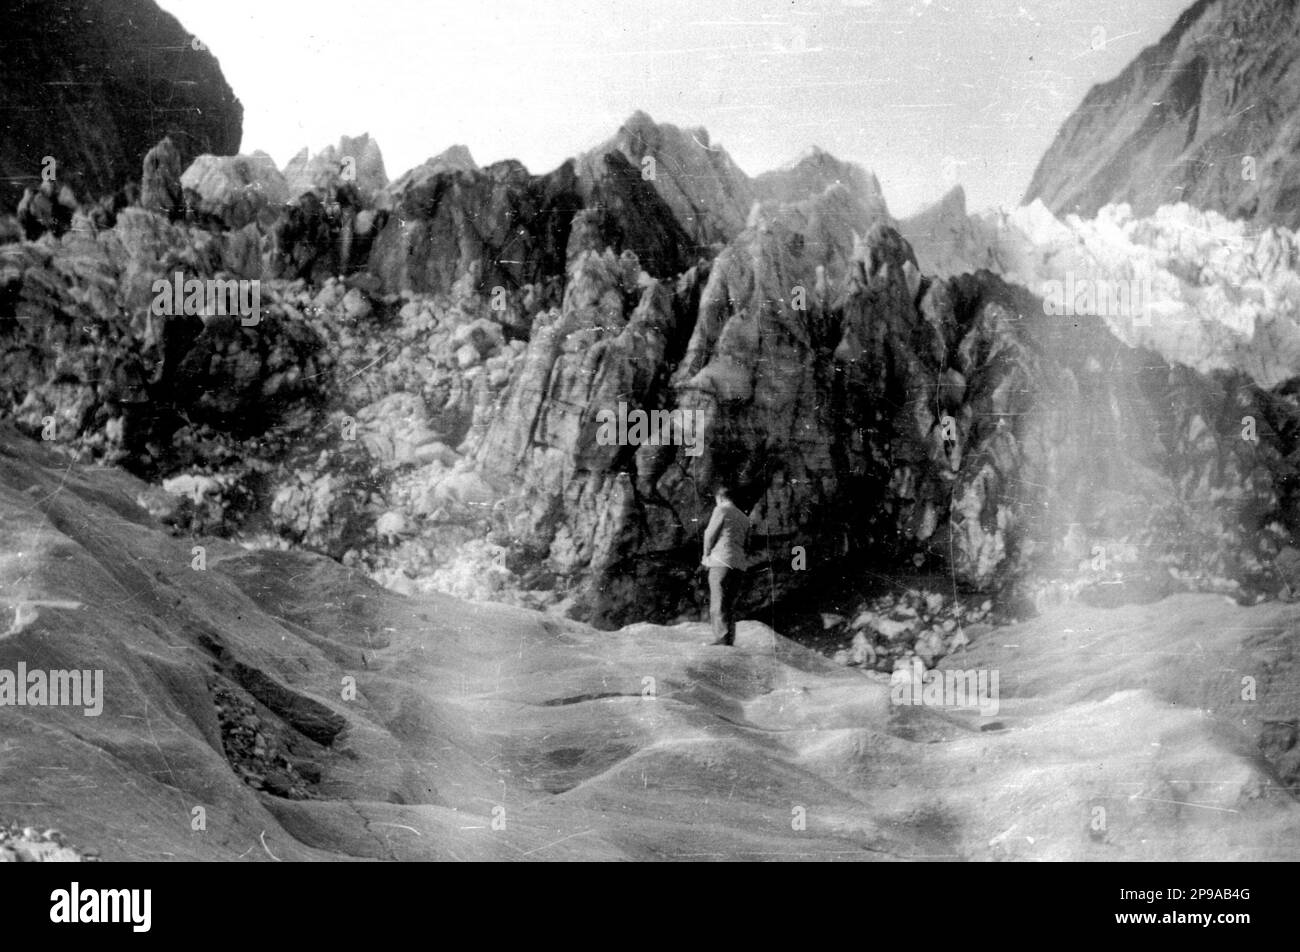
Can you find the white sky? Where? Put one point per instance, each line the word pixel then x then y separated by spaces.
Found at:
pixel 911 89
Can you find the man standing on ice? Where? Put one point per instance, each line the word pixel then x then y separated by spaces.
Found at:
pixel 725 541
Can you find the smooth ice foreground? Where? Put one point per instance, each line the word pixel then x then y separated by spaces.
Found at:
pixel 479 731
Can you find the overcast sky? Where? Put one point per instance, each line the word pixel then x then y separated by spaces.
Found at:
pixel 922 92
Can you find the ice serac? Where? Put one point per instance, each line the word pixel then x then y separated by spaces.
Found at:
pixel 1211 293
pixel 457 158
pixel 498 226
pixel 814 172
pixel 819 373
pixel 667 195
pixel 235 189
pixel 504 227
pixel 95 84
pixel 868 411
pixel 82 344
pixel 709 195
pixel 355 160
pixel 871 415
pixel 1198 353
pixel 161 180
pixel 1210 115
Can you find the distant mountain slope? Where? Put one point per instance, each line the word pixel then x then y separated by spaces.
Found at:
pixel 1210 115
pixel 95 84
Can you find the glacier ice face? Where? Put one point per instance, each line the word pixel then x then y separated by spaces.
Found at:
pixel 1225 294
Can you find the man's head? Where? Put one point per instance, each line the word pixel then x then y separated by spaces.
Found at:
pixel 722 494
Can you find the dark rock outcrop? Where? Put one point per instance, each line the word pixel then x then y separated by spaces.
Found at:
pixel 94 85
pixel 1207 116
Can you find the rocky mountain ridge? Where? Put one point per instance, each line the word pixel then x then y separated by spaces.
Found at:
pixel 1209 115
